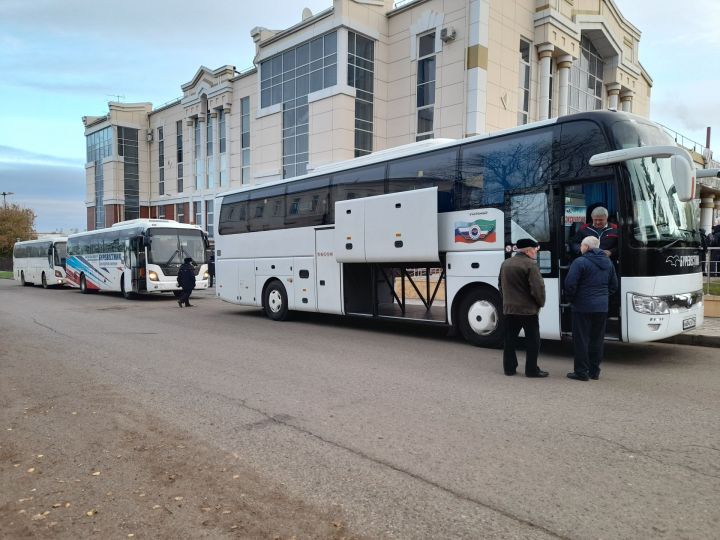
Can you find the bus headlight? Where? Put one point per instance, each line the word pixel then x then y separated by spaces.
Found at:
pixel 650 305
pixel 152 276
pixel 206 275
pixel 57 273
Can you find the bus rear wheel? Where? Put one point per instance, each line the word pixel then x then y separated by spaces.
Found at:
pixel 275 301
pixel 480 319
pixel 44 281
pixel 83 285
pixel 22 279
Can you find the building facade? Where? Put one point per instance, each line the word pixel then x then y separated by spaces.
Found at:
pixel 360 76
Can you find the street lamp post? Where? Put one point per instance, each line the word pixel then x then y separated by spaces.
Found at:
pixel 4 196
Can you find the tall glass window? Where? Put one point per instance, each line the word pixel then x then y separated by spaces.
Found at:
pixel 586 77
pixel 99 146
pixel 180 212
pixel 128 150
pixel 197 210
pixel 288 78
pixel 161 161
pixel 210 150
pixel 425 87
pixel 361 68
pixel 222 143
pixel 524 85
pixel 198 155
pixel 245 138
pixel 179 139
pixel 209 217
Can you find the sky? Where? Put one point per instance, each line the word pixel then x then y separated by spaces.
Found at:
pixel 64 59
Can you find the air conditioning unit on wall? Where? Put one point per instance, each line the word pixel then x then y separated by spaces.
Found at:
pixel 448 34
pixel 149 135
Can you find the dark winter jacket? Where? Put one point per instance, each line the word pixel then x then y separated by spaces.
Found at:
pixel 521 285
pixel 608 238
pixel 590 281
pixel 186 276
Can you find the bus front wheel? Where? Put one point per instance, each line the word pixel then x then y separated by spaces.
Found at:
pixel 480 318
pixel 127 295
pixel 44 281
pixel 83 285
pixel 275 301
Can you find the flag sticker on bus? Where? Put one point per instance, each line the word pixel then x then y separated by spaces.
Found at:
pixel 480 230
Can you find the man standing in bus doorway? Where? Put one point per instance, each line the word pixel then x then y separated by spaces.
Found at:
pixel 589 283
pixel 186 280
pixel 523 294
pixel 607 234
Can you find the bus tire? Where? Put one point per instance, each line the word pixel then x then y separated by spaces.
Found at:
pixel 44 281
pixel 127 295
pixel 275 301
pixel 83 285
pixel 22 279
pixel 479 318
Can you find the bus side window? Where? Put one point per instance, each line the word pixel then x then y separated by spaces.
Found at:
pixel 307 202
pixel 579 141
pixel 357 183
pixel 426 170
pixel 267 209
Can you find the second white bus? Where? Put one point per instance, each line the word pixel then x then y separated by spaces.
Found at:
pixel 40 262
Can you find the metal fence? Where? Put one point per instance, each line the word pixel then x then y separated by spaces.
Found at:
pixel 711 271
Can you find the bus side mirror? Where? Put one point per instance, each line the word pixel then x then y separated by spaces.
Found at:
pixel 683 178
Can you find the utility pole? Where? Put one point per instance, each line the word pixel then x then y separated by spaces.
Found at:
pixel 4 196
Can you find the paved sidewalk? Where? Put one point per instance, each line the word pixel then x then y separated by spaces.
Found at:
pixel 708 335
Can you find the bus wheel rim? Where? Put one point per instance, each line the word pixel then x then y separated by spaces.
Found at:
pixel 275 301
pixel 483 317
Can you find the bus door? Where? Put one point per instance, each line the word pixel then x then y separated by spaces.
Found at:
pixel 577 201
pixel 134 266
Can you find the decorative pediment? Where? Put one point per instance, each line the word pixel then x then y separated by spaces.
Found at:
pixel 208 78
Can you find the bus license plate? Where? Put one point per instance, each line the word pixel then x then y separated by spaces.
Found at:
pixel 688 323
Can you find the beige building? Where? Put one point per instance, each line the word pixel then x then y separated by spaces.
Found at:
pixel 361 76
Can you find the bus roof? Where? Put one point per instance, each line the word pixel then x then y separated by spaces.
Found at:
pixel 53 240
pixel 144 224
pixel 434 144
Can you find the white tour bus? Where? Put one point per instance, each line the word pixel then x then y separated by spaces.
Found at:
pixel 40 261
pixel 136 256
pixel 419 232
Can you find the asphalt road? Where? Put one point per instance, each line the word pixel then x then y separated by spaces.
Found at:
pixel 341 428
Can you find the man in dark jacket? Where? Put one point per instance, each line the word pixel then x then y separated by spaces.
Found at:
pixel 607 233
pixel 186 280
pixel 588 285
pixel 714 242
pixel 523 293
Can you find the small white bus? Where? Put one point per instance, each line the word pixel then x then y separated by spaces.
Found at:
pixel 40 261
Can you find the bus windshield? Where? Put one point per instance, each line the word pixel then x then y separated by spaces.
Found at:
pixel 660 218
pixel 171 246
pixel 60 253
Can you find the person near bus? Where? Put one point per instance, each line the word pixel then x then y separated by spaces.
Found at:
pixel 589 284
pixel 607 233
pixel 714 243
pixel 186 280
pixel 523 295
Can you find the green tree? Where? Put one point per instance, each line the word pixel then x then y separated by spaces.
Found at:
pixel 16 223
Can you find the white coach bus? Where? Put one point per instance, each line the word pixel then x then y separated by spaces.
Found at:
pixel 40 261
pixel 419 232
pixel 136 257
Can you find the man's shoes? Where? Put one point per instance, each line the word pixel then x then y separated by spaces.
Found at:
pixel 189 305
pixel 179 303
pixel 510 373
pixel 577 376
pixel 538 374
pixel 595 377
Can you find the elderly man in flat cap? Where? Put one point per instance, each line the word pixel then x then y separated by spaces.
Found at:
pixel 523 293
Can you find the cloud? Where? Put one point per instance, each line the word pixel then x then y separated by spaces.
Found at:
pixel 52 187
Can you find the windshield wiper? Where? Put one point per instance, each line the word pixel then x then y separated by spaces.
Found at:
pixel 177 252
pixel 669 245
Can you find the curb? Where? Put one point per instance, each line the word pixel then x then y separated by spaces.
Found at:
pixel 696 340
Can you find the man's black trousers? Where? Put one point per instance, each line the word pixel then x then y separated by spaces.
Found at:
pixel 588 331
pixel 531 325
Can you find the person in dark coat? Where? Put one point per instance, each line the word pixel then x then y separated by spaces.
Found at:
pixel 523 293
pixel 714 242
pixel 608 234
pixel 186 280
pixel 589 283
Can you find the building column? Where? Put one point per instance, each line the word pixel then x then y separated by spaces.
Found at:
pixel 613 92
pixel 626 100
pixel 707 205
pixel 545 52
pixel 563 64
pixel 476 66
